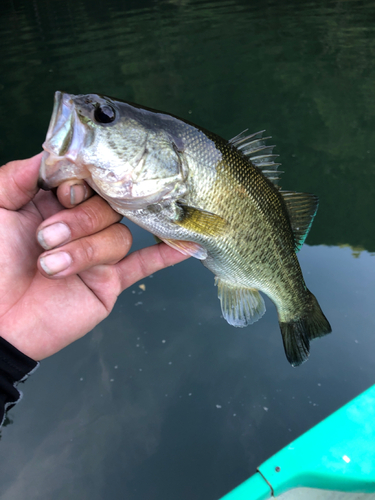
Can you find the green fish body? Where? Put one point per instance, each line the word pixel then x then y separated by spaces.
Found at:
pixel 214 199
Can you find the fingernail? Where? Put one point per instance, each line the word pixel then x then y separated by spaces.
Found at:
pixel 53 235
pixel 78 193
pixel 55 263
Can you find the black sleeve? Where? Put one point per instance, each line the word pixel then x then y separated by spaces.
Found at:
pixel 14 367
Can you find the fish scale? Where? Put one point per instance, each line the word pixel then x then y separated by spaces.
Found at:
pixel 214 199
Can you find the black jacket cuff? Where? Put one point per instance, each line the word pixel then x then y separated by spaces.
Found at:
pixel 15 367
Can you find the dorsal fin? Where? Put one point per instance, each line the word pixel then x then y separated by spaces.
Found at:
pixel 259 153
pixel 302 208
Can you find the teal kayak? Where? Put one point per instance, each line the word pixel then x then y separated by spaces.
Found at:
pixel 334 459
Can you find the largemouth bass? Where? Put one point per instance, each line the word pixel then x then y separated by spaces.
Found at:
pixel 214 199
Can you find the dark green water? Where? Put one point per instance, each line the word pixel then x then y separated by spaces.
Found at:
pixel 164 400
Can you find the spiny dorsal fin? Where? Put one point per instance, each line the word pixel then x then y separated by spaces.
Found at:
pixel 302 208
pixel 259 153
pixel 240 306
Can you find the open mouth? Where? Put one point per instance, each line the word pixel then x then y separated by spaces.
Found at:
pixel 61 125
pixel 63 143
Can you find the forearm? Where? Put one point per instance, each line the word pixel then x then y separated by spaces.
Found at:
pixel 15 367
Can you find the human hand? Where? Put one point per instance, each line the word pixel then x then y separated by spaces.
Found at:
pixel 51 296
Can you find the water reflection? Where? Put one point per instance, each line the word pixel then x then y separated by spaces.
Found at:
pixel 164 400
pixel 165 391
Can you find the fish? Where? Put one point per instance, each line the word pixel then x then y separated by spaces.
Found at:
pixel 214 199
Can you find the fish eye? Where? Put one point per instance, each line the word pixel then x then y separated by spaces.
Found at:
pixel 104 114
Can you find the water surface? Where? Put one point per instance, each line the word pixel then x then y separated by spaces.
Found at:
pixel 164 400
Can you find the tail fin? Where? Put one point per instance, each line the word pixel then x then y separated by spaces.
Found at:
pixel 298 332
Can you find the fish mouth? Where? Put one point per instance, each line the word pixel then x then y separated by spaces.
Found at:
pixel 64 140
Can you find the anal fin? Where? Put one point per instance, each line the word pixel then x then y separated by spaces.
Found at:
pixel 240 306
pixel 187 248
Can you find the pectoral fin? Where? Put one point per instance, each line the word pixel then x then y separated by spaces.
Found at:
pixel 240 306
pixel 201 221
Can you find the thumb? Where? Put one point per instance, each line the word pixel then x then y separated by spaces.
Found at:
pixel 18 182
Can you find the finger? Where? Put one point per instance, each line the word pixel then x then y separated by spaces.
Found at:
pixel 86 219
pixel 18 182
pixel 74 192
pixel 47 203
pixel 107 247
pixel 142 263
